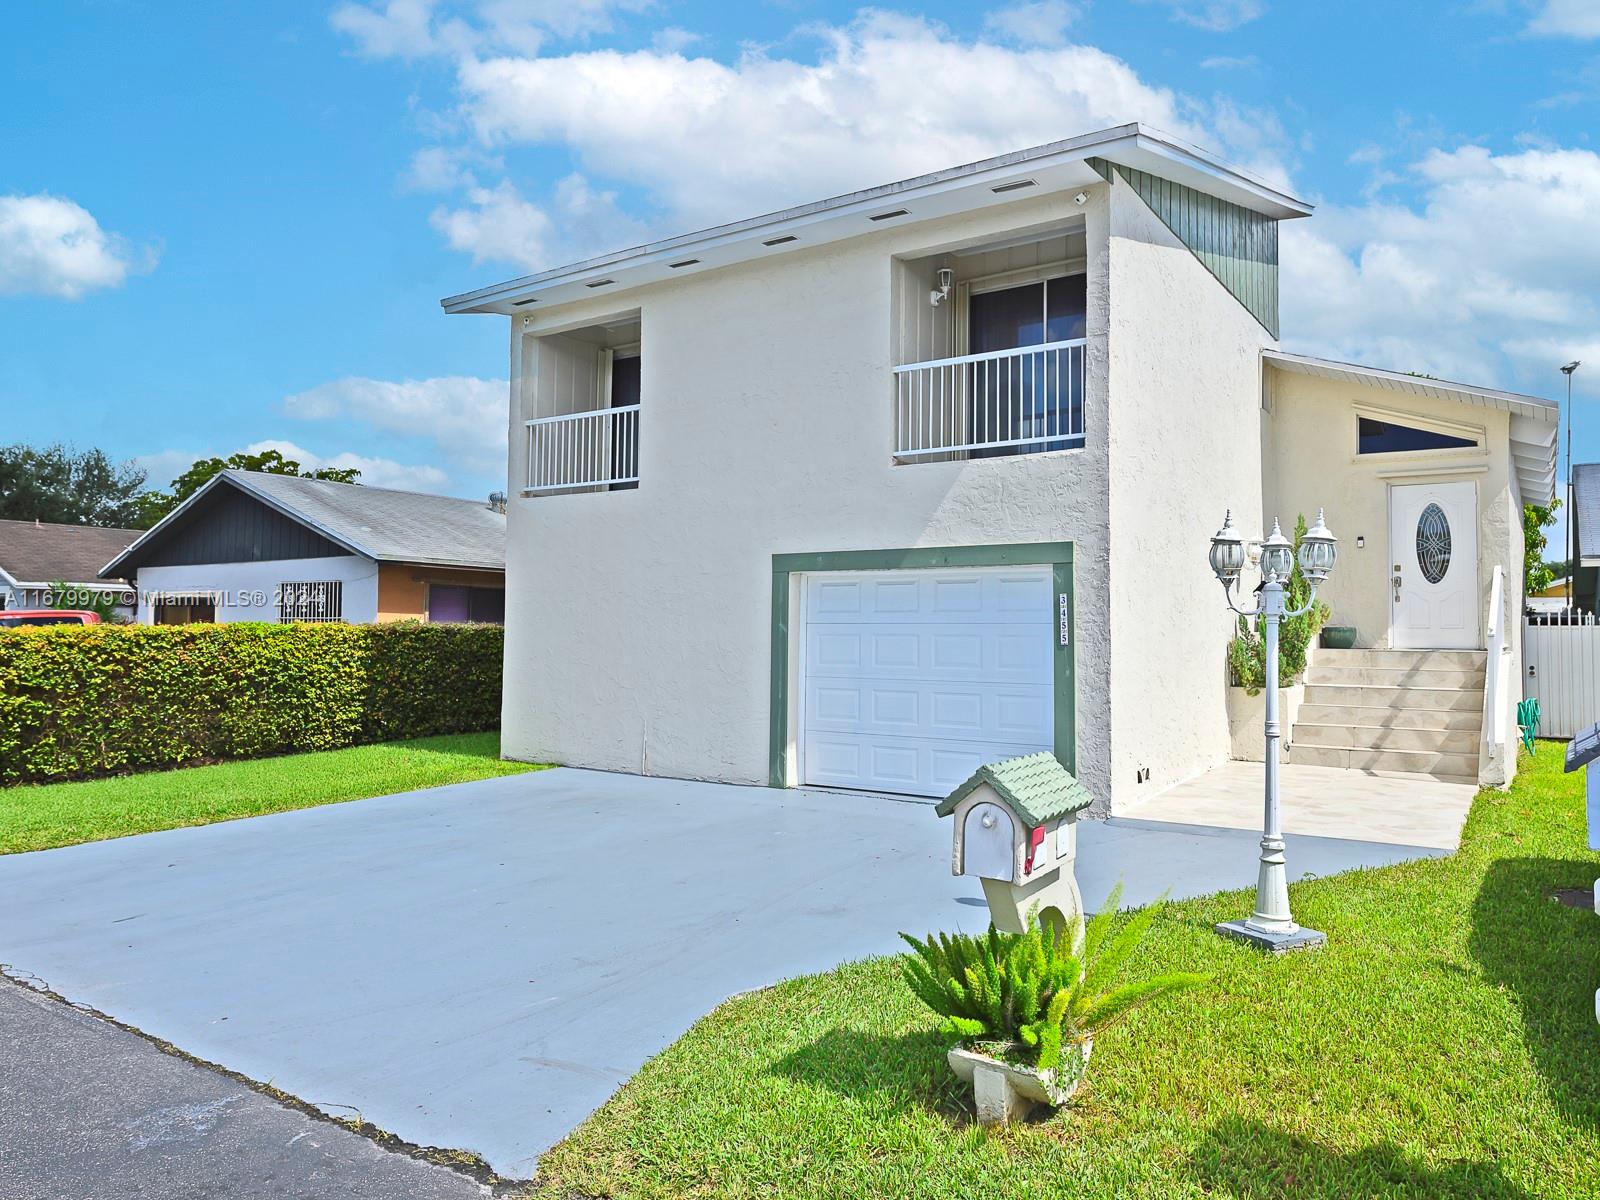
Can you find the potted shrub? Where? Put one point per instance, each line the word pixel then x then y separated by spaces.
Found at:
pixel 1026 1006
pixel 1338 637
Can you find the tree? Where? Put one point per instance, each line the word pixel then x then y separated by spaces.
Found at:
pixel 68 487
pixel 155 505
pixel 1536 573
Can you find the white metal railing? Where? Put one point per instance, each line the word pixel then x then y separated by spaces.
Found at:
pixel 599 448
pixel 1005 401
pixel 1495 670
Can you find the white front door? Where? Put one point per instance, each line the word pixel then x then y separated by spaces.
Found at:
pixel 1433 566
pixel 914 679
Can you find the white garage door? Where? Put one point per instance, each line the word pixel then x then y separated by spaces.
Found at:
pixel 914 679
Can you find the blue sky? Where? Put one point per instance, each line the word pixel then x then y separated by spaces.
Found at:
pixel 229 224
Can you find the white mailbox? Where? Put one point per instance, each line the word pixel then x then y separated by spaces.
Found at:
pixel 1016 830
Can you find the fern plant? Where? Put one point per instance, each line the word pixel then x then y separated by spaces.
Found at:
pixel 1247 652
pixel 1039 990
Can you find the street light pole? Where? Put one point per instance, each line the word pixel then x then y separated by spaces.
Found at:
pixel 1572 566
pixel 1272 926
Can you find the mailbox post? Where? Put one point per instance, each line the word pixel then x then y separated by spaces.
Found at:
pixel 1016 830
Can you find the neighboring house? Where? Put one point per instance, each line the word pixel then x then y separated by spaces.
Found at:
pixel 34 557
pixel 863 493
pixel 1585 517
pixel 256 547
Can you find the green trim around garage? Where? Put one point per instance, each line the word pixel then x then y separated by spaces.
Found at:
pixel 1057 555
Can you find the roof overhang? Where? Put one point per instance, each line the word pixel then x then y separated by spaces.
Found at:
pixel 1055 167
pixel 1534 420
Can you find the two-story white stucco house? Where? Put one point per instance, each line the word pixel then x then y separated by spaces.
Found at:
pixel 865 492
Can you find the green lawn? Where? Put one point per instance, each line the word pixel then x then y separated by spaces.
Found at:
pixel 59 814
pixel 1443 1045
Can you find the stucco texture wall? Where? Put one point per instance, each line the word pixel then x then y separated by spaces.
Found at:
pixel 1185 446
pixel 638 622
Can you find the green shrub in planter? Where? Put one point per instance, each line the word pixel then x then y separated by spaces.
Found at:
pixel 1247 653
pixel 1024 996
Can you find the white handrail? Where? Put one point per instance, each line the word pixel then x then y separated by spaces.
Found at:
pixel 578 416
pixel 991 355
pixel 1017 401
pixel 598 448
pixel 1494 679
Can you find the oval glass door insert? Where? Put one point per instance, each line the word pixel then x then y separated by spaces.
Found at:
pixel 1433 543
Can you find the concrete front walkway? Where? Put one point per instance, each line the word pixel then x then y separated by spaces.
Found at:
pixel 479 966
pixel 1330 802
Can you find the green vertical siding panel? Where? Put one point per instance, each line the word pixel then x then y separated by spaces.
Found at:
pixel 1239 247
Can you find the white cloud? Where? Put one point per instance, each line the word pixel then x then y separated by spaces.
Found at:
pixel 375 472
pixel 440 169
pixel 464 416
pixel 52 247
pixel 1215 15
pixel 888 97
pixel 1567 18
pixel 410 29
pixel 498 225
pixel 164 466
pixel 1495 268
pixel 1229 62
pixel 1036 22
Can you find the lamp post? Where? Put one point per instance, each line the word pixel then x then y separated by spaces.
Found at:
pixel 1572 565
pixel 1271 926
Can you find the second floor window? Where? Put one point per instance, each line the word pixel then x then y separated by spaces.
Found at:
pixel 1025 399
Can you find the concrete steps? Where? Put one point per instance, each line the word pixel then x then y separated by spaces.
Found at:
pixel 1404 711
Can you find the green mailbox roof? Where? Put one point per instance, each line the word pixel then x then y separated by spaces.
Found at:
pixel 1038 787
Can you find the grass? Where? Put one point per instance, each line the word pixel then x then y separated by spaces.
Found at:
pixel 42 816
pixel 1444 1044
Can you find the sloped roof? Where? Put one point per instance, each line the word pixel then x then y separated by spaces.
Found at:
pixel 1533 418
pixel 1037 786
pixel 1586 508
pixel 34 552
pixel 382 524
pixel 1060 166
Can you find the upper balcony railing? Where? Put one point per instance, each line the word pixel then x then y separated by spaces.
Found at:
pixel 592 449
pixel 1018 401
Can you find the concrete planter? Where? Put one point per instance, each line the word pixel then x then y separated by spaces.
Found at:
pixel 1247 714
pixel 1005 1092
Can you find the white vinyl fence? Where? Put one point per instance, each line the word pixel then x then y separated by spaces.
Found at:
pixel 1561 656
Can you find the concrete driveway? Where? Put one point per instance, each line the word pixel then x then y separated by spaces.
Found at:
pixel 479 966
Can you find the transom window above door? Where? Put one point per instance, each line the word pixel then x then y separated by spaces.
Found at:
pixel 1375 436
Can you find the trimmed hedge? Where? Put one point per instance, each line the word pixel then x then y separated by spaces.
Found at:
pixel 83 700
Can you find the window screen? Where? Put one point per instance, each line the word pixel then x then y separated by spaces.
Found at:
pixel 319 601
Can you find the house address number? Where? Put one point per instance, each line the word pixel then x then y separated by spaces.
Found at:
pixel 1066 620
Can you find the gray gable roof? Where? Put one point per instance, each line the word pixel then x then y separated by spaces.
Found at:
pixel 378 523
pixel 1586 508
pixel 34 552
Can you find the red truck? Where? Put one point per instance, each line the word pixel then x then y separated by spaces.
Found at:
pixel 11 618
